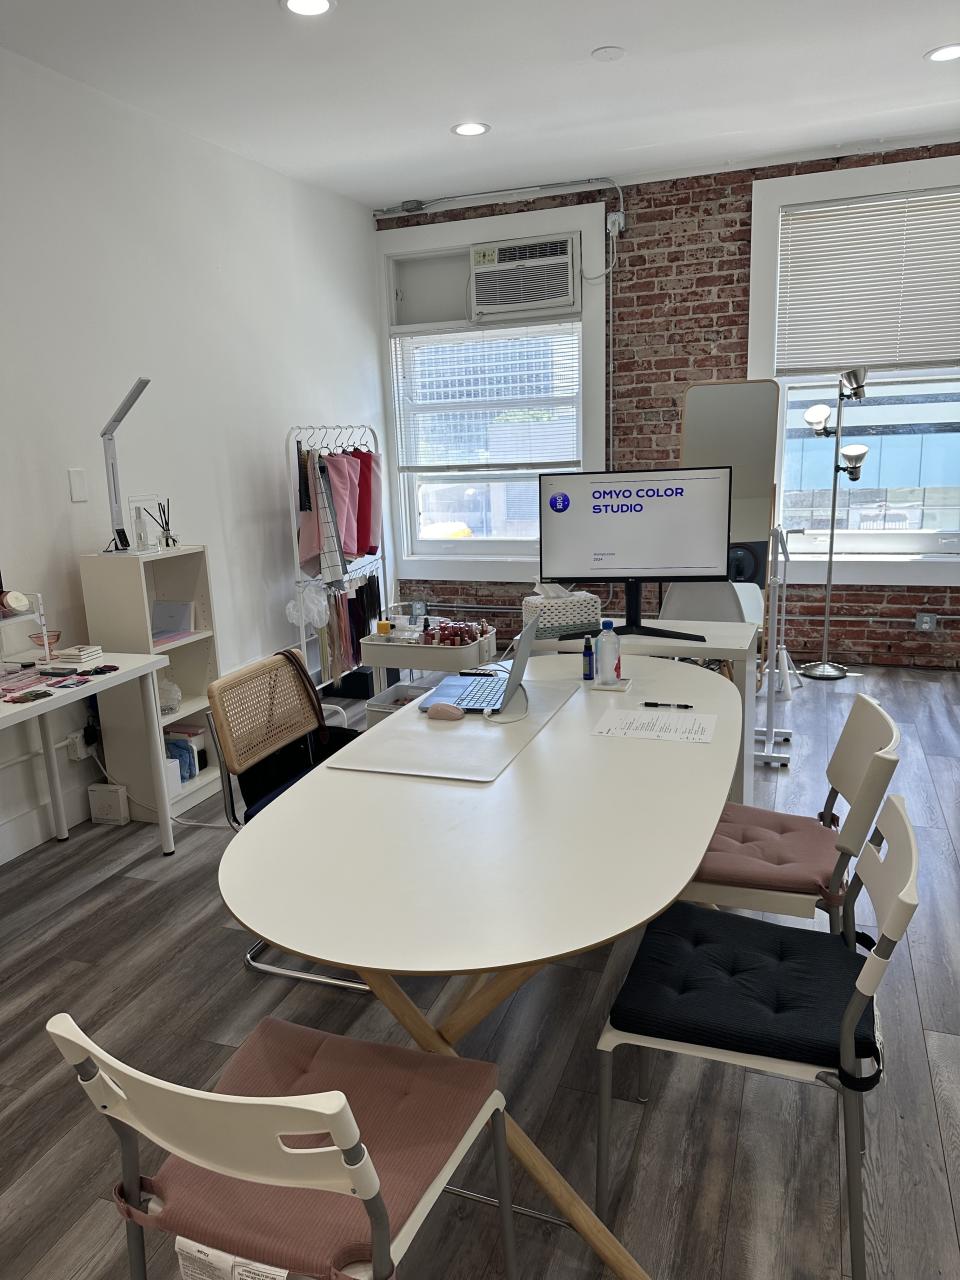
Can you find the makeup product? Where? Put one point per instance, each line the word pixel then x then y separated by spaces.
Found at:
pixel 588 658
pixel 140 530
pixel 14 602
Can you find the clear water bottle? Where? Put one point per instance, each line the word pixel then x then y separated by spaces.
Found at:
pixel 608 655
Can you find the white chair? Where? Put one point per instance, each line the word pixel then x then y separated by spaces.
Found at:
pixel 762 860
pixel 713 602
pixel 788 1001
pixel 251 1174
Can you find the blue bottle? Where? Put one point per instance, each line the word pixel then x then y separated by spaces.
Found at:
pixel 588 658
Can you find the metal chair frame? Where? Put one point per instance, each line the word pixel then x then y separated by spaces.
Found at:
pixel 891 884
pixel 307 723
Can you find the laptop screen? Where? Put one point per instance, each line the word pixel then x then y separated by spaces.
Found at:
pixel 524 647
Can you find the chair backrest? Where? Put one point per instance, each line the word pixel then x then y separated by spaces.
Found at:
pixel 891 883
pixel 259 709
pixel 237 1136
pixel 863 762
pixel 702 602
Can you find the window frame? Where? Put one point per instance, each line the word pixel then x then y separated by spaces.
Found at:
pixel 507 561
pixel 769 196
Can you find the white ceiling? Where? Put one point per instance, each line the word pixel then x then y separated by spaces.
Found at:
pixel 362 100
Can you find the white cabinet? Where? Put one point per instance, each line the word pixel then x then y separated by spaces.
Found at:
pixel 119 591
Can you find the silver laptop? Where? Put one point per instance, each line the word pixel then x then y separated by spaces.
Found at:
pixel 483 693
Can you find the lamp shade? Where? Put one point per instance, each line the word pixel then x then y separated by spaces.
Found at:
pixel 817 416
pixel 853 381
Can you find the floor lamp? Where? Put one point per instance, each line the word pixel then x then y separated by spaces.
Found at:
pixel 851 387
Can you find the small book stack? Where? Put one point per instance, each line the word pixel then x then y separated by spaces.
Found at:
pixel 79 653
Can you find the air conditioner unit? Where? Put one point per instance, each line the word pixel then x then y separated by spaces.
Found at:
pixel 518 279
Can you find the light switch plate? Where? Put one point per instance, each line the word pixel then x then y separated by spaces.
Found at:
pixel 78 484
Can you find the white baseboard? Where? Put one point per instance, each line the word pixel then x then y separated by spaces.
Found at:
pixel 26 830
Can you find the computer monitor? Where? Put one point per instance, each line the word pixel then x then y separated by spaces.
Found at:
pixel 635 527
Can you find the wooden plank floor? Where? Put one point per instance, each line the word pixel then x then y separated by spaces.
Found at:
pixel 722 1175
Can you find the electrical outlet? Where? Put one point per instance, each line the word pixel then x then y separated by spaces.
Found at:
pixel 926 622
pixel 77 748
pixel 616 223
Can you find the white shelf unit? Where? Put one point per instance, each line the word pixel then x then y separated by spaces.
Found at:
pixel 118 594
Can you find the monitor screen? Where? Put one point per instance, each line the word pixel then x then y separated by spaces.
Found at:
pixel 653 525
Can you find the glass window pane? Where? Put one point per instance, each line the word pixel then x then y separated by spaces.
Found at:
pixel 910 478
pixel 460 509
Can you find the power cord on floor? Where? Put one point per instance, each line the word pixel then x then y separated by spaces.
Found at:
pixel 181 822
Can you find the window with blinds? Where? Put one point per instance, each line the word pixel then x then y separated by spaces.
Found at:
pixel 873 281
pixel 478 415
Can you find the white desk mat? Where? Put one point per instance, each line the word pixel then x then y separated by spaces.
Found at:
pixel 474 749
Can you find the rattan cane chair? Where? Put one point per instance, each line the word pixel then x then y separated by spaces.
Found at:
pixel 266 729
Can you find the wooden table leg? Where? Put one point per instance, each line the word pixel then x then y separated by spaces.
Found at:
pixel 577 1212
pixel 476 1004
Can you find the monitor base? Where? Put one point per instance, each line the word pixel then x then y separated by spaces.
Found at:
pixel 656 633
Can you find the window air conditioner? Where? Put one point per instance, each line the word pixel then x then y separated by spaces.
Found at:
pixel 512 279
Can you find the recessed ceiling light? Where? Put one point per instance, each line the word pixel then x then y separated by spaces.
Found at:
pixel 308 8
pixel 608 53
pixel 470 129
pixel 945 53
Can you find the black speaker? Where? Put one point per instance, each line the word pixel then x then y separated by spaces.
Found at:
pixel 747 562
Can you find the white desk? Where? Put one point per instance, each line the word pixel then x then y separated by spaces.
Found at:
pixel 733 642
pixel 131 666
pixel 578 841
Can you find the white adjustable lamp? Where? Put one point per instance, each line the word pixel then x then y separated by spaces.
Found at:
pixel 120 540
pixel 851 387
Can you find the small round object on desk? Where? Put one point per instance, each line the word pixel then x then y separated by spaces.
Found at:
pixel 444 711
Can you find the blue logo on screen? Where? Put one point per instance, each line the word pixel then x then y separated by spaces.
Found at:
pixel 559 502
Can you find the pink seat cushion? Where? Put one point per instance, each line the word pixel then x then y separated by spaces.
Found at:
pixel 413 1110
pixel 762 849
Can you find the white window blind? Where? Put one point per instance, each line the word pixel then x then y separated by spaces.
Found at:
pixel 494 399
pixel 874 282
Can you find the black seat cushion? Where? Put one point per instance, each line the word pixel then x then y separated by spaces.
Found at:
pixel 269 778
pixel 735 983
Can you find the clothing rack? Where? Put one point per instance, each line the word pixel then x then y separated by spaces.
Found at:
pixel 337 574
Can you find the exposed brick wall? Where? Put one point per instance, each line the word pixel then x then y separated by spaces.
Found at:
pixel 681 300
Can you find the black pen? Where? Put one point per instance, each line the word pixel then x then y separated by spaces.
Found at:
pixel 672 706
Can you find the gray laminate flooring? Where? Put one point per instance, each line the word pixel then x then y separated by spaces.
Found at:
pixel 722 1175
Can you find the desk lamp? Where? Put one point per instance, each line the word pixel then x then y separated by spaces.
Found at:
pixel 120 540
pixel 851 387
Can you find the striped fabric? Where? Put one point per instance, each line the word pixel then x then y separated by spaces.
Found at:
pixel 762 849
pixel 413 1110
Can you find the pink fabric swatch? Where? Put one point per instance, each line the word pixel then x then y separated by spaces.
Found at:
pixel 376 502
pixel 344 473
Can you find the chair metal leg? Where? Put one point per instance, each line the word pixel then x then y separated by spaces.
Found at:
pixel 604 1102
pixel 136 1251
pixel 130 1165
pixel 645 1076
pixel 277 971
pixel 501 1162
pixel 851 1143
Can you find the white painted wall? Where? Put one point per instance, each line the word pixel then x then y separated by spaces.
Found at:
pixel 129 248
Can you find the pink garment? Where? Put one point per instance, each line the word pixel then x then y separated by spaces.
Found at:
pixel 376 502
pixel 344 473
pixel 310 529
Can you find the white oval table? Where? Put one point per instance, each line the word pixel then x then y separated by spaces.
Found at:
pixel 578 841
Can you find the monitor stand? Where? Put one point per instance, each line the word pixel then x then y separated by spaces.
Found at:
pixel 633 625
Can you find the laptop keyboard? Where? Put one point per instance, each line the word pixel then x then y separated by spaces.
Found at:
pixel 485 691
